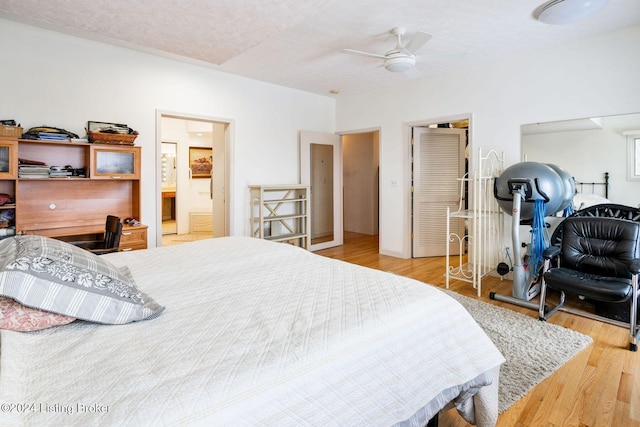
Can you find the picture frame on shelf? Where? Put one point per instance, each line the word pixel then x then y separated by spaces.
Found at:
pixel 115 162
pixel 200 161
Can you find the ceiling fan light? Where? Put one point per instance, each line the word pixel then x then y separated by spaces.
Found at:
pixel 399 64
pixel 557 12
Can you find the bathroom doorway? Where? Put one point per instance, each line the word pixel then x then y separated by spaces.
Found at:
pixel 197 205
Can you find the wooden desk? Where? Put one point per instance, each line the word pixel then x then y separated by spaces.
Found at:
pixel 133 236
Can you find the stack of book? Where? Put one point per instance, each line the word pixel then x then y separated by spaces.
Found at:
pixel 51 136
pixel 33 171
pixel 58 172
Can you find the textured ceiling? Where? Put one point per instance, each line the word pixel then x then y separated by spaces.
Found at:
pixel 296 43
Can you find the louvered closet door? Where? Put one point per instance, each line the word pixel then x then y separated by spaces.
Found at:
pixel 438 162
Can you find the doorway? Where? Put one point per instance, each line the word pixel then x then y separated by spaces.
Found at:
pixel 197 205
pixel 361 160
pixel 342 172
pixel 439 166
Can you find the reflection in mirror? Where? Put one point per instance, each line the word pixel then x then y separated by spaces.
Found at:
pixel 168 158
pixel 321 193
pixel 587 149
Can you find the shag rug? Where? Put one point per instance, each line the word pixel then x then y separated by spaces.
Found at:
pixel 533 349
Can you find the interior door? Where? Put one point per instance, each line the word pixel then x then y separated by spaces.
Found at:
pixel 438 162
pixel 321 170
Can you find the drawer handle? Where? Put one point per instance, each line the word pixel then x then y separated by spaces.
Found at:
pixel 126 249
pixel 115 177
pixel 127 233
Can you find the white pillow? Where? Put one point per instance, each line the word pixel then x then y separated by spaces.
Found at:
pixel 55 276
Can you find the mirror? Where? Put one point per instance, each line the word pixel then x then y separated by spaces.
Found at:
pixel 321 193
pixel 587 149
pixel 168 181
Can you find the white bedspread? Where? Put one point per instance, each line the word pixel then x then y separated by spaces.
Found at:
pixel 254 334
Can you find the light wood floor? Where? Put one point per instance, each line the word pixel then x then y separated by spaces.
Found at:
pixel 169 236
pixel 175 239
pixel 598 387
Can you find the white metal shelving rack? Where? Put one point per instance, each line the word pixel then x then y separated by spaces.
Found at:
pixel 281 213
pixel 484 225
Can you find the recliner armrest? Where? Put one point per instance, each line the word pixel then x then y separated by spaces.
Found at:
pixel 634 267
pixel 551 252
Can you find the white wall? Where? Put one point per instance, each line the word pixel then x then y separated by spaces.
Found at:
pixel 63 81
pixel 59 80
pixel 590 78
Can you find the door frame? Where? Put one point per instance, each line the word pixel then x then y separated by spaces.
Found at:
pixel 377 129
pixel 408 168
pixel 228 159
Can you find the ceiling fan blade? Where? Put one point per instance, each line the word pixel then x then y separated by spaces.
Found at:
pixel 357 52
pixel 418 40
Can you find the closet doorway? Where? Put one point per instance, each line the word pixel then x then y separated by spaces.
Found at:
pixel 361 182
pixel 196 206
pixel 439 162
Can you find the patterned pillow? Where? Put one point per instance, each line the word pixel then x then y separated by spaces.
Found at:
pixel 55 276
pixel 16 317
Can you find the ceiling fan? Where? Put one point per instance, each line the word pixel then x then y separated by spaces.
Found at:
pixel 401 58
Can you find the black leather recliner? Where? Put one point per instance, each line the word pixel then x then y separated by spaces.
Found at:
pixel 597 259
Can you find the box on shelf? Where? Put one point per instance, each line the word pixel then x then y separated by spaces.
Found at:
pixel 110 133
pixel 111 138
pixel 11 131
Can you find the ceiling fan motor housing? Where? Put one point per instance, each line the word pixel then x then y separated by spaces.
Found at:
pixel 399 62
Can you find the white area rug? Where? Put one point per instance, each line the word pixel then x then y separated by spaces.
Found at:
pixel 533 349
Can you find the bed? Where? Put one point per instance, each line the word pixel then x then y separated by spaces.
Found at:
pixel 241 331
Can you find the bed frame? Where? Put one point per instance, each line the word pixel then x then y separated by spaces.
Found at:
pixel 580 186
